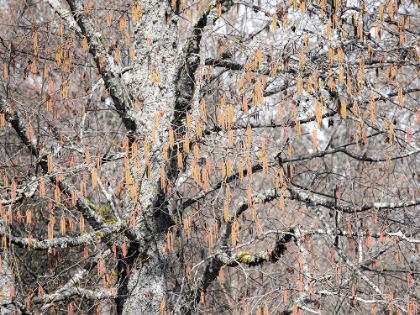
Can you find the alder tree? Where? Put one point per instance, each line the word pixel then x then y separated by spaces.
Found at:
pixel 198 157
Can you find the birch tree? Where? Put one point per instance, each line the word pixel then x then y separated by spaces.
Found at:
pixel 205 157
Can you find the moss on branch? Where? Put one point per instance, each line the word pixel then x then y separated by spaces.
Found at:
pixel 272 255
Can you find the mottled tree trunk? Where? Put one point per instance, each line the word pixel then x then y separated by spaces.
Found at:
pixel 152 83
pixel 7 284
pixel 145 288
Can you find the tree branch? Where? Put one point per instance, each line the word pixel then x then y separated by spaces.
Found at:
pixel 84 28
pixel 191 57
pixel 313 200
pixel 83 205
pixel 67 241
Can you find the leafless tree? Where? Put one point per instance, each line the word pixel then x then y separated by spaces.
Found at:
pixel 198 157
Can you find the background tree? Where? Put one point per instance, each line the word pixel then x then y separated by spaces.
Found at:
pixel 196 157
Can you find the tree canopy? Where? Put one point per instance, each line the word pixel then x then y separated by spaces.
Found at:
pixel 209 157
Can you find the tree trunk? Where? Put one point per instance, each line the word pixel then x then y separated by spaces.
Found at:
pixel 7 284
pixel 153 84
pixel 145 288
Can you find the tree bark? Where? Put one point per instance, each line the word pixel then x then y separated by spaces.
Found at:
pixel 153 83
pixel 7 284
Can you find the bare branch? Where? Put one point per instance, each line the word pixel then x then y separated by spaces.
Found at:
pixel 83 205
pixel 67 241
pixel 104 62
